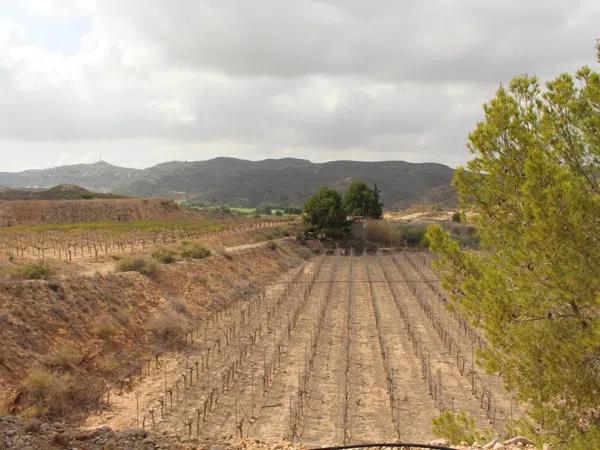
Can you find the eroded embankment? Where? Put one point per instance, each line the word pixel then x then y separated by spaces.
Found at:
pixel 91 333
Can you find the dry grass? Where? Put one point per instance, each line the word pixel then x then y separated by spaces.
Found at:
pixel 54 395
pixel 168 330
pixel 64 358
pixel 106 328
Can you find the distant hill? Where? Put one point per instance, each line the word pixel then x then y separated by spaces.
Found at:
pixel 60 192
pixel 237 182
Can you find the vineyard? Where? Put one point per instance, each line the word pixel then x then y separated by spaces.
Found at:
pixel 95 239
pixel 347 348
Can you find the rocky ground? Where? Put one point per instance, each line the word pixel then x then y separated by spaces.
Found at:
pixel 516 443
pixel 19 434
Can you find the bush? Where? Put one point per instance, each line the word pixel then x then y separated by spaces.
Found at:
pixel 167 328
pixel 193 250
pixel 108 365
pixel 164 255
pixel 145 266
pixel 384 232
pixel 64 358
pixel 456 428
pixel 414 236
pixel 55 395
pixel 39 270
pixel 334 233
pixel 456 217
pixel 105 328
pixel 39 383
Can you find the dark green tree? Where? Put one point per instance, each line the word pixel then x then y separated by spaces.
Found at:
pixel 324 210
pixel 360 200
pixel 377 204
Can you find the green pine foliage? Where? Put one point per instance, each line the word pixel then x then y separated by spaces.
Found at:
pixel 535 286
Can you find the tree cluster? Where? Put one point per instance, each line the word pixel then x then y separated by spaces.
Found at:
pixel 327 209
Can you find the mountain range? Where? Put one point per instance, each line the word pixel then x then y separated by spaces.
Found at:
pixel 238 182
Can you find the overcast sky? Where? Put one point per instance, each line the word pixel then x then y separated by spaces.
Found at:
pixel 143 81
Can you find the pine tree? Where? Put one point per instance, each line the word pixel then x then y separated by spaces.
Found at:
pixel 535 286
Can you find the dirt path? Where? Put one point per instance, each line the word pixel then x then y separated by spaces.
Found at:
pixel 455 388
pixel 274 419
pixel 415 406
pixel 322 422
pixel 419 265
pixel 369 415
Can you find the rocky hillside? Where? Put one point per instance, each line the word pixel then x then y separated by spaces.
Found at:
pixel 237 182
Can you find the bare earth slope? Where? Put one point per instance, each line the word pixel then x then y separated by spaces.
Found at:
pixel 38 318
pixel 32 212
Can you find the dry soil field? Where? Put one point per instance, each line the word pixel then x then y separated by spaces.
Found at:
pixel 343 349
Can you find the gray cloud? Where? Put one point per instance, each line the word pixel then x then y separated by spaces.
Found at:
pixel 154 81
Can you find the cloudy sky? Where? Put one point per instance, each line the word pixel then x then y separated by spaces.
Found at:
pixel 143 82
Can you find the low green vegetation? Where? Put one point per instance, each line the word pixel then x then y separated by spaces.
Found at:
pixel 169 255
pixel 145 266
pixel 164 255
pixel 395 234
pixel 194 250
pixel 119 228
pixel 458 427
pixel 247 211
pixel 37 270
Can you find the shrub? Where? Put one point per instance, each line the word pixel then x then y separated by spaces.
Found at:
pixel 414 236
pixel 108 365
pixel 164 255
pixel 456 428
pixel 178 304
pixel 39 383
pixel 456 217
pixel 39 270
pixel 105 328
pixel 193 250
pixel 64 358
pixel 167 328
pixel 334 233
pixel 384 232
pixel 145 266
pixel 54 394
